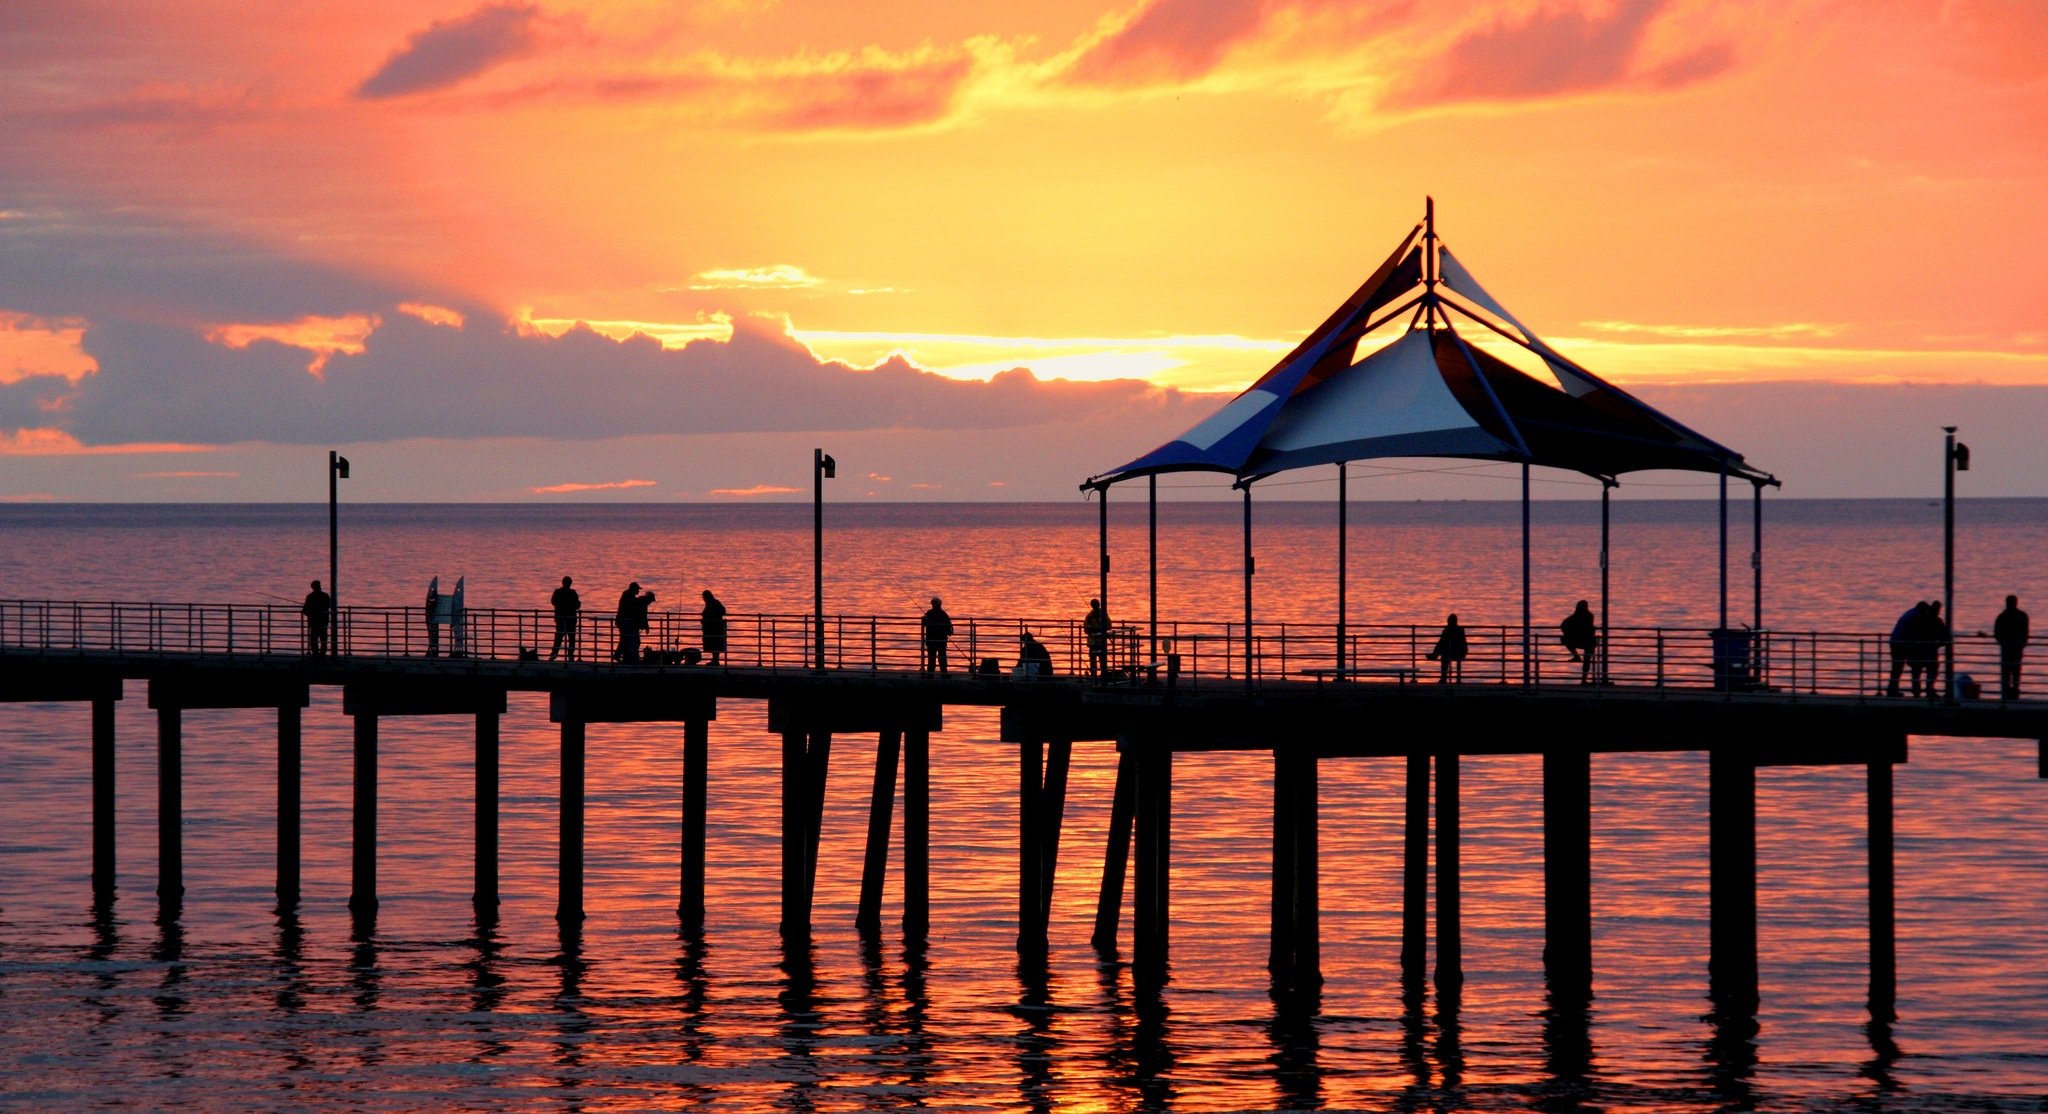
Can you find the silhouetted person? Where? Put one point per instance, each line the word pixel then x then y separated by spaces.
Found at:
pixel 2011 632
pixel 1581 636
pixel 1925 637
pixel 938 627
pixel 1033 659
pixel 713 620
pixel 1899 644
pixel 631 619
pixel 433 626
pixel 1096 627
pixel 567 603
pixel 1449 652
pixel 319 612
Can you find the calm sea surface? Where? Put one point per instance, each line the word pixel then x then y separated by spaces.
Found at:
pixel 233 1008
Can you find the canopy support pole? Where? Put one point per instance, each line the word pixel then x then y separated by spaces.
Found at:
pixel 1606 489
pixel 1343 534
pixel 1528 613
pixel 1724 545
pixel 1152 561
pixel 1756 554
pixel 1102 546
pixel 1248 585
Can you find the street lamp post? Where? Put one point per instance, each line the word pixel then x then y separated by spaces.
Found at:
pixel 337 470
pixel 1955 457
pixel 823 468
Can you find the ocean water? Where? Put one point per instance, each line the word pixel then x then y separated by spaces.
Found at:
pixel 232 1007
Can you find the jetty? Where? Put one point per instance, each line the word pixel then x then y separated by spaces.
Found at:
pixel 1802 699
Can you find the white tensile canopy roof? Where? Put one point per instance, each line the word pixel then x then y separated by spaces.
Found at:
pixel 1430 393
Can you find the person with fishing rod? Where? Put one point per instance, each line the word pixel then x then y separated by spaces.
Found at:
pixel 938 628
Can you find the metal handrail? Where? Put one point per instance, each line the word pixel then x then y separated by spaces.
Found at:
pixel 1794 663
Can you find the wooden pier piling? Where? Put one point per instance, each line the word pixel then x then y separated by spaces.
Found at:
pixel 1152 821
pixel 484 892
pixel 1415 872
pixel 917 833
pixel 881 814
pixel 290 781
pixel 170 809
pixel 696 781
pixel 569 849
pixel 1041 810
pixel 362 894
pixel 1295 955
pixel 1450 954
pixel 1884 963
pixel 1731 869
pixel 1116 857
pixel 103 780
pixel 1567 873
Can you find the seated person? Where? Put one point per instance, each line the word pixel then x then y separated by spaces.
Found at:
pixel 1033 659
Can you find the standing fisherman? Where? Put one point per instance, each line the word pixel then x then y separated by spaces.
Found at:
pixel 318 609
pixel 713 620
pixel 1096 627
pixel 938 627
pixel 567 603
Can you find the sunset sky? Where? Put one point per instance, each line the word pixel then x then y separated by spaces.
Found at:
pixel 575 250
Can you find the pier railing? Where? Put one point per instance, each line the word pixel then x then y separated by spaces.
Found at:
pixel 1181 653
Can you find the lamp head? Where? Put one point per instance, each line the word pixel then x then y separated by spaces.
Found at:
pixel 341 468
pixel 1962 457
pixel 828 465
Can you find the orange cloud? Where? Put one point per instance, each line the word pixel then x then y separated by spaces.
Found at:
pixel 572 488
pixel 781 276
pixel 433 314
pixel 757 489
pixel 322 336
pixel 43 346
pixel 56 442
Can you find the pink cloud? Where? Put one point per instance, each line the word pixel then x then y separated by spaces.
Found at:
pixel 573 488
pixel 57 442
pixel 1557 51
pixel 757 489
pixel 451 51
pixel 1171 40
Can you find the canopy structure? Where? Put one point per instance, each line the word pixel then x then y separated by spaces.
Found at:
pixel 1429 391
